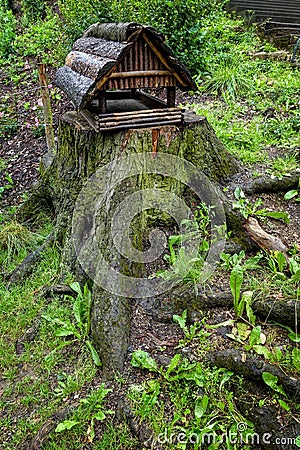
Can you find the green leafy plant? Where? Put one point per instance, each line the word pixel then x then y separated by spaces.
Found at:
pixel 247 208
pixel 228 261
pixel 293 193
pixel 33 10
pixel 7 32
pixel 9 184
pixel 194 331
pixel 272 381
pixel 82 315
pixel 236 281
pixel 198 397
pixel 282 166
pixel 91 409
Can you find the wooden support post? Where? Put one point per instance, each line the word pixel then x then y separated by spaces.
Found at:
pixel 171 95
pixel 102 102
pixel 47 108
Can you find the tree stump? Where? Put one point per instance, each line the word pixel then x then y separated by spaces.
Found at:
pixel 89 172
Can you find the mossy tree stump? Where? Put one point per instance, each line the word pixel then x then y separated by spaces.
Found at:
pixel 82 152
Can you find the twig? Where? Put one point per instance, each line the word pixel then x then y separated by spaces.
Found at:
pixel 47 108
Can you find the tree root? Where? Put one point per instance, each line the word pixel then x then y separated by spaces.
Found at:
pixel 57 289
pixel 43 433
pixel 28 336
pixel 26 266
pixel 138 429
pixel 252 367
pixel 282 311
pixel 270 433
pixel 269 184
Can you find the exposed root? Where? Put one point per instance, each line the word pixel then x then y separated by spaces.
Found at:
pixel 269 184
pixel 252 367
pixel 27 265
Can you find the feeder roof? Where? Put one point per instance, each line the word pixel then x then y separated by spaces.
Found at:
pixel 97 54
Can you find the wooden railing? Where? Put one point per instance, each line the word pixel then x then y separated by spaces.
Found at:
pixel 282 12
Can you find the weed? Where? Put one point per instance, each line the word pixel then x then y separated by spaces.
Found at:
pixel 293 193
pixel 229 80
pixel 283 166
pixel 7 32
pixel 9 184
pixel 195 331
pixel 247 208
pixel 16 239
pixel 91 408
pixel 81 329
pixel 198 396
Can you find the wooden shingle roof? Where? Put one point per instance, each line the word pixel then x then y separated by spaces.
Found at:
pixel 96 56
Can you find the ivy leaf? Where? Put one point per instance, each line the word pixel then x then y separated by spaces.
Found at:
pixel 284 405
pixel 290 194
pixel 236 280
pixel 174 362
pixel 100 415
pixel 275 215
pixel 76 287
pixel 67 330
pixel 261 350
pixel 77 310
pixel 254 337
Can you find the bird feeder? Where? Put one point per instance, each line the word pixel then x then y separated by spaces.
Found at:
pixel 112 71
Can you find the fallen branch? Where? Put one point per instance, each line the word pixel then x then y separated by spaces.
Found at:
pixel 263 239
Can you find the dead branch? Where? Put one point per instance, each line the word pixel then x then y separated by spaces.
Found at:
pixel 263 239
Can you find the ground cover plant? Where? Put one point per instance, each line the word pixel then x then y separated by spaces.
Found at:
pixel 52 392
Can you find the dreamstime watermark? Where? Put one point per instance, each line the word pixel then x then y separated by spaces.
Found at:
pixel 96 204
pixel 242 436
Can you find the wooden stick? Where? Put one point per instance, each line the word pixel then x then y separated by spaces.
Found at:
pixel 140 73
pixel 160 123
pixel 46 108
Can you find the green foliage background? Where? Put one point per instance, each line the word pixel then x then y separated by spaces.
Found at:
pixel 195 29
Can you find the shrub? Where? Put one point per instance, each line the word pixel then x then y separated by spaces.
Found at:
pixel 33 9
pixel 7 32
pixel 43 40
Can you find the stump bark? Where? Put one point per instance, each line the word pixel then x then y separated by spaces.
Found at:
pixel 81 153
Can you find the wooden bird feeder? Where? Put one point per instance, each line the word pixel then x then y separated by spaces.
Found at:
pixel 110 66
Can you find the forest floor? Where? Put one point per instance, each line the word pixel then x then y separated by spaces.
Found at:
pixel 21 149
